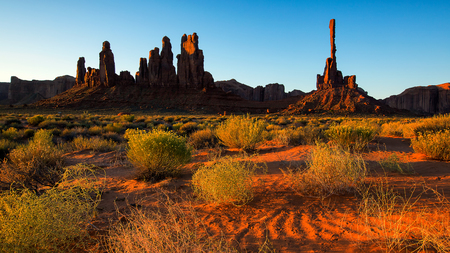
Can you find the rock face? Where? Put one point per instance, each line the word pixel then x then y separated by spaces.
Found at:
pixel 430 99
pixel 21 89
pixel 142 74
pixel 270 92
pixel 168 75
pixel 332 77
pixel 81 71
pixel 107 65
pixel 4 87
pixel 190 65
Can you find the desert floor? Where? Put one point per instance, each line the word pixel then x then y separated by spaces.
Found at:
pixel 277 214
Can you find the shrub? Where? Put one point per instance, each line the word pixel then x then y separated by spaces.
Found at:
pixel 435 124
pixel 10 134
pixel 37 163
pixel 128 118
pixel 310 134
pixel 94 143
pixel 51 222
pixel 95 130
pixel 241 132
pixel 433 144
pixel 114 127
pixel 225 181
pixel 392 129
pixel 289 136
pixel 351 137
pixel 157 153
pixel 330 170
pixel 170 228
pixel 392 163
pixel 28 133
pixel 6 146
pixel 35 120
pixel 188 128
pixel 203 139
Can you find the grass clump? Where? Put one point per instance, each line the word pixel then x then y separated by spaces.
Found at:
pixel 37 163
pixel 203 139
pixel 94 143
pixel 54 221
pixel 225 181
pixel 434 124
pixel 170 228
pixel 241 132
pixel 433 144
pixel 392 163
pixel 157 154
pixel 330 170
pixel 351 137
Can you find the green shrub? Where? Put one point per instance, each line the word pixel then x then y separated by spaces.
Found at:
pixel 113 137
pixel 114 127
pixel 433 144
pixel 188 128
pixel 95 130
pixel 55 221
pixel 203 139
pixel 157 154
pixel 10 134
pixel 28 133
pixel 330 170
pixel 392 129
pixel 392 163
pixel 289 136
pixel 94 143
pixel 351 137
pixel 35 120
pixel 434 124
pixel 241 132
pixel 37 163
pixel 226 181
pixel 310 134
pixel 128 118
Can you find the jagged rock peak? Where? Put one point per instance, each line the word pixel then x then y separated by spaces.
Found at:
pixel 81 71
pixel 168 74
pixel 107 65
pixel 332 77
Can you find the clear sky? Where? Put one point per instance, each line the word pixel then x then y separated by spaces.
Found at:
pixel 388 45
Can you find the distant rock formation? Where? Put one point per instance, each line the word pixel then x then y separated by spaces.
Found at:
pixel 430 99
pixel 270 92
pixel 332 77
pixel 81 71
pixel 107 65
pixel 20 89
pixel 4 87
pixel 190 65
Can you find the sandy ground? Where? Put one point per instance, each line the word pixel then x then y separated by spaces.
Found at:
pixel 292 223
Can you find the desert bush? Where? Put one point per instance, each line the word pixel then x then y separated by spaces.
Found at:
pixel 6 146
pixel 37 163
pixel 128 118
pixel 330 170
pixel 54 221
pixel 392 129
pixel 157 154
pixel 241 132
pixel 433 144
pixel 289 136
pixel 392 163
pixel 203 139
pixel 434 124
pixel 188 128
pixel 225 181
pixel 28 133
pixel 93 143
pixel 170 228
pixel 35 120
pixel 310 134
pixel 95 130
pixel 113 137
pixel 11 133
pixel 351 137
pixel 114 127
pixel 49 124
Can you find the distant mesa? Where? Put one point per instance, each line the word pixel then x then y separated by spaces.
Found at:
pixel 430 99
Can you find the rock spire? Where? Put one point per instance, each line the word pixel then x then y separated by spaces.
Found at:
pixel 81 71
pixel 332 77
pixel 107 66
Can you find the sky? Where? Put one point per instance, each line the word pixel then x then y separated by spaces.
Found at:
pixel 389 45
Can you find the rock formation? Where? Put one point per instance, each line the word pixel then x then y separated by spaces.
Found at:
pixel 81 71
pixel 168 75
pixel 430 99
pixel 190 65
pixel 107 65
pixel 4 87
pixel 332 77
pixel 21 89
pixel 142 74
pixel 270 92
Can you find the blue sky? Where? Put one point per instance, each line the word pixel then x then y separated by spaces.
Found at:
pixel 389 46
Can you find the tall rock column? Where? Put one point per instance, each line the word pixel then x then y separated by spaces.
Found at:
pixel 190 65
pixel 154 67
pixel 168 75
pixel 142 75
pixel 81 71
pixel 107 66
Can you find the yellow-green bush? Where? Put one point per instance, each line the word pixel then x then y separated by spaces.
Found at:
pixel 11 133
pixel 35 120
pixel 351 137
pixel 433 144
pixel 37 163
pixel 330 170
pixel 241 132
pixel 93 143
pixel 55 221
pixel 226 181
pixel 203 139
pixel 157 153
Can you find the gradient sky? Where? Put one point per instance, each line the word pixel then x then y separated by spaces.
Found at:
pixel 389 46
